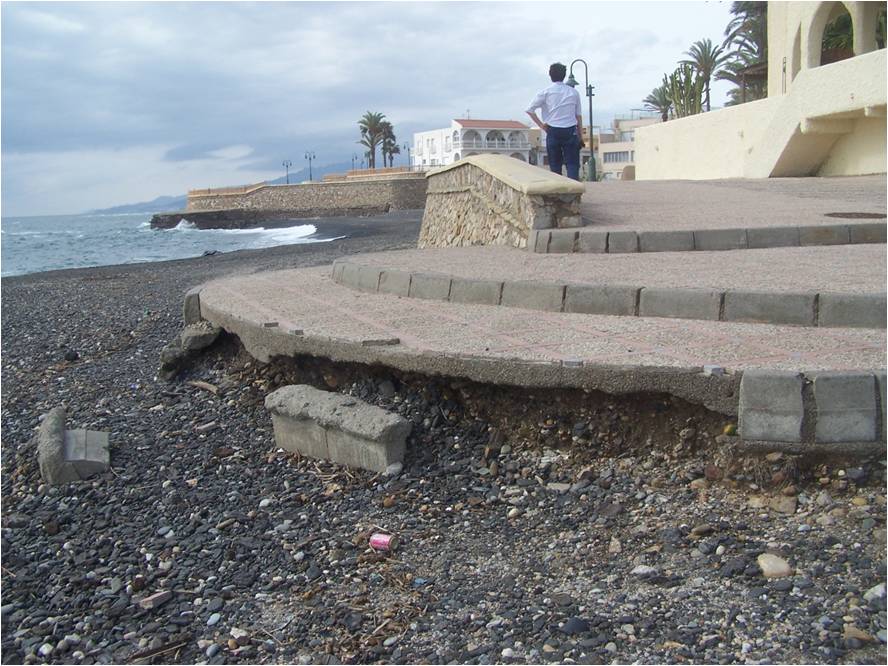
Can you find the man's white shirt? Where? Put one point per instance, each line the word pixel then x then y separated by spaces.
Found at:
pixel 559 103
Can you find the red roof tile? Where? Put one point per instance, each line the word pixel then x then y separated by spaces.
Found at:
pixel 490 124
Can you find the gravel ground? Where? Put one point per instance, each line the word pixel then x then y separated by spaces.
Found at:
pixel 557 527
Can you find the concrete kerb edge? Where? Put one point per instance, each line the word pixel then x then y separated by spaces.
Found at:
pixel 191 306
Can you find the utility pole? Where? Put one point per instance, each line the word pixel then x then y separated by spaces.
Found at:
pixel 310 156
pixel 287 164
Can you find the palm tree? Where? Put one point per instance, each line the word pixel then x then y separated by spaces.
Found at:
pixel 707 59
pixel 389 143
pixel 371 125
pixel 746 39
pixel 659 101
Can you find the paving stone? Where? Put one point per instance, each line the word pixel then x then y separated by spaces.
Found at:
pixel 833 234
pixel 541 241
pixel 868 232
pixel 601 299
pixel 428 285
pixel 846 407
pixel 368 278
pixel 762 237
pixel 852 310
pixel 482 292
pixel 679 303
pixel 394 282
pixel 770 307
pixel 771 407
pixel 622 241
pixel 665 241
pixel 336 427
pixel 720 239
pixel 533 295
pixel 592 242
pixel 562 241
pixel 191 306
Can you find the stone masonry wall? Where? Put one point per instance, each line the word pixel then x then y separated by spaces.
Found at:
pixel 351 197
pixel 466 205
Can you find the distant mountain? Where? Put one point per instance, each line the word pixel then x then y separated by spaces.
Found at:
pixel 173 203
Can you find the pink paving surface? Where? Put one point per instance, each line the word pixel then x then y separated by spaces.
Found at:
pixel 839 268
pixel 684 204
pixel 308 299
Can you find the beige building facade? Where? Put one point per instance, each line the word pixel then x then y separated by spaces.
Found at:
pixel 825 114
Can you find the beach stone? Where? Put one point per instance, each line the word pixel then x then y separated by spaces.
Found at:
pixel 73 455
pixel 156 599
pixel 198 336
pixel 773 566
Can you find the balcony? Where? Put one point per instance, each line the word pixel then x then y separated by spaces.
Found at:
pixel 481 144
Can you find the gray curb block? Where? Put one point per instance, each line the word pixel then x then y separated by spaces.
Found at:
pixel 816 407
pixel 591 240
pixel 826 309
pixel 191 306
pixel 69 455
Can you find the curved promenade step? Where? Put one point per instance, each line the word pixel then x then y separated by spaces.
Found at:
pixel 840 286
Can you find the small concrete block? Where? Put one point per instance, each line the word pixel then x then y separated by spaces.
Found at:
pixel 601 299
pixel 846 407
pixel 541 242
pixel 295 331
pixel 869 232
pixel 771 407
pixel 394 282
pixel 269 324
pixel 571 363
pixel 831 234
pixel 191 306
pixel 337 427
pixel 679 303
pixel 852 310
pixel 761 237
pixel 482 292
pixel 592 242
pixel 666 241
pixel 87 452
pixel 350 275
pixel 429 285
pixel 720 239
pixel 622 242
pixel 69 456
pixel 198 336
pixel 368 278
pixel 533 295
pixel 562 241
pixel 770 307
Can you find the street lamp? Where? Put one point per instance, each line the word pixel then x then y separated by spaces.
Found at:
pixel 571 81
pixel 310 156
pixel 287 164
pixel 406 147
pixel 354 159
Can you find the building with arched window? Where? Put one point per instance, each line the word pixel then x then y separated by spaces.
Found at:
pixel 467 137
pixel 824 114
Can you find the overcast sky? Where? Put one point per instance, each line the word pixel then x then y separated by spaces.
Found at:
pixel 119 102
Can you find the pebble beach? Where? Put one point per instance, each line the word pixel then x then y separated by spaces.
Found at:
pixel 547 527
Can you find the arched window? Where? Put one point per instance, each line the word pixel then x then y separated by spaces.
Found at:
pixel 837 41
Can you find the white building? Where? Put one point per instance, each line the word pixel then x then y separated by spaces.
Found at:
pixel 467 137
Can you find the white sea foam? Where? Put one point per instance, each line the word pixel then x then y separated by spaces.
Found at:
pixel 184 225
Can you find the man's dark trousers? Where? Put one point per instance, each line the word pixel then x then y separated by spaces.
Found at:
pixel 563 147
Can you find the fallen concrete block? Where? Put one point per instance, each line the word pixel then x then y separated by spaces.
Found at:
pixel 830 234
pixel 762 237
pixel 846 407
pixel 666 241
pixel 868 232
pixel 771 407
pixel 601 299
pixel 592 242
pixel 73 455
pixel 191 306
pixel 482 292
pixel 428 285
pixel 533 295
pixel 198 336
pixel 852 310
pixel 394 282
pixel 562 241
pixel 621 242
pixel 770 307
pixel 720 239
pixel 679 303
pixel 336 427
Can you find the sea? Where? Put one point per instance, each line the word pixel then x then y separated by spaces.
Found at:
pixel 33 244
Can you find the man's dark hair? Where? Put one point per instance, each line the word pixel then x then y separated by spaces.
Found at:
pixel 557 71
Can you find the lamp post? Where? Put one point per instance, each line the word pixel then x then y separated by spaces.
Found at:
pixel 310 156
pixel 406 147
pixel 571 81
pixel 354 159
pixel 287 164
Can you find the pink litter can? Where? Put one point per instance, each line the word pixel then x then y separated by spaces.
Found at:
pixel 383 542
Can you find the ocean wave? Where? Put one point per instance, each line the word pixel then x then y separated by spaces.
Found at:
pixel 185 225
pixel 145 225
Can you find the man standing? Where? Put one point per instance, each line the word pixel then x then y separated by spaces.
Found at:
pixel 562 122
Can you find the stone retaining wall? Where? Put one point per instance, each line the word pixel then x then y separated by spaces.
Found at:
pixel 495 200
pixel 314 198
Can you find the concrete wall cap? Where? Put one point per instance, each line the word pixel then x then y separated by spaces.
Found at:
pixel 519 175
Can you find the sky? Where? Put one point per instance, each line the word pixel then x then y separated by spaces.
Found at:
pixel 108 103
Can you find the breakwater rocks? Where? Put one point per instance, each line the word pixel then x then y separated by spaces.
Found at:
pixel 246 218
